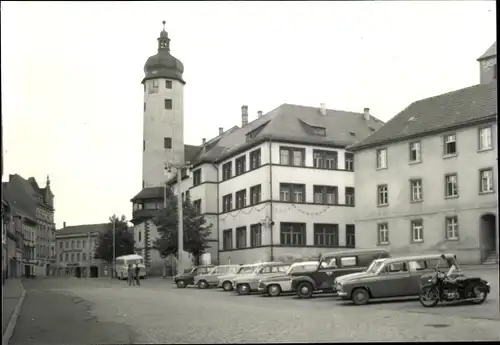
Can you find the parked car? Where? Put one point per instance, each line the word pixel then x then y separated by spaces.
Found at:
pixel 187 278
pixel 395 277
pixel 333 265
pixel 372 268
pixel 226 281
pixel 276 285
pixel 210 279
pixel 247 283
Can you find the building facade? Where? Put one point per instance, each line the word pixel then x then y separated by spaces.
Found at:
pixel 75 251
pixel 428 177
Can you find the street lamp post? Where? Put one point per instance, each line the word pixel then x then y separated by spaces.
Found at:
pixel 114 248
pixel 180 229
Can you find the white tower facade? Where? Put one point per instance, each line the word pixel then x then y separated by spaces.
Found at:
pixel 163 128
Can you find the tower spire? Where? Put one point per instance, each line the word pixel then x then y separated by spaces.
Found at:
pixel 163 40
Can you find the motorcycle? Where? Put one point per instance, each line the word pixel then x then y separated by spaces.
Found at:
pixel 440 288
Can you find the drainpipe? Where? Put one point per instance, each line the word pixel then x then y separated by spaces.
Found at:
pixel 218 230
pixel 271 198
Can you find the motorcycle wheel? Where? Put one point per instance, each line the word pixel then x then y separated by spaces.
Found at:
pixel 480 294
pixel 429 297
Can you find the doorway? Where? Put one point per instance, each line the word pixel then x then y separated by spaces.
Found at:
pixel 94 272
pixel 488 235
pixel 78 272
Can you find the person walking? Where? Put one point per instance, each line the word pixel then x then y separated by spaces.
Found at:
pixel 130 272
pixel 137 276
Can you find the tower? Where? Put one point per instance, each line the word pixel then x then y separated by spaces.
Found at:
pixel 163 132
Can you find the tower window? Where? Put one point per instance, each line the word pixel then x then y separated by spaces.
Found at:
pixel 168 84
pixel 168 103
pixel 144 145
pixel 143 184
pixel 144 106
pixel 167 143
pixel 495 71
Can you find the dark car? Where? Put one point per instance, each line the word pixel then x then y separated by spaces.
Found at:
pixel 331 266
pixel 187 278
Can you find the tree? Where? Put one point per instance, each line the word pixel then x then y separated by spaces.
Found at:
pixel 196 229
pixel 124 240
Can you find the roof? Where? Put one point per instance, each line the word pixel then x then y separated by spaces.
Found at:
pixel 492 51
pixel 299 263
pixel 436 114
pixel 19 194
pixel 83 229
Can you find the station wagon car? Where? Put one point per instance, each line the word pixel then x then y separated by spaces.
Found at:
pixel 187 278
pixel 395 277
pixel 226 281
pixel 210 279
pixel 276 285
pixel 248 283
pixel 372 268
pixel 333 265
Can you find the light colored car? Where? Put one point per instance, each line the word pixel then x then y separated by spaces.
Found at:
pixel 247 283
pixel 226 281
pixel 210 279
pixel 371 269
pixel 276 285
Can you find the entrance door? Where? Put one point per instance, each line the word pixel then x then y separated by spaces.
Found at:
pixel 489 235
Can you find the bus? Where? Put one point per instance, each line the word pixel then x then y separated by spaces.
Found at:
pixel 123 261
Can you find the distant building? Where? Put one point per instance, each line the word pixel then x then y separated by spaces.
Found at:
pixel 427 180
pixel 75 249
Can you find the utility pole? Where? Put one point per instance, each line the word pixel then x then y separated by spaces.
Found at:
pixel 164 275
pixel 114 247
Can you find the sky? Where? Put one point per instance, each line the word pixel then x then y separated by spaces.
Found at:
pixel 72 99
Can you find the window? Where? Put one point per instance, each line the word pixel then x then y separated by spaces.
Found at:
pixel 450 145
pixel 383 233
pixel 350 236
pixel 349 161
pixel 187 195
pixel 416 190
pixel 84 244
pixel 227 203
pixel 417 231
pixel 72 244
pixel 415 151
pixel 396 267
pixel 240 165
pixel 485 141
pixel 348 261
pixel 255 235
pixel 66 244
pixel 66 257
pixel 381 158
pixel 452 228
pixel 293 234
pixel 325 159
pixel 60 244
pixel 168 104
pixel 72 257
pixel 140 236
pixel 254 159
pixel 486 181
pixel 168 84
pixel 227 171
pixel 349 196
pixel 319 131
pixel 167 143
pixel 197 205
pixel 144 106
pixel 292 192
pixel 241 237
pixel 153 86
pixel 197 177
pixel 227 239
pixel 451 185
pixel 255 192
pixel 326 235
pixel 292 156
pixel 383 195
pixel 241 198
pixel 325 195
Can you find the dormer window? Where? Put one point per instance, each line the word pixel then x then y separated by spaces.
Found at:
pixel 319 131
pixel 352 134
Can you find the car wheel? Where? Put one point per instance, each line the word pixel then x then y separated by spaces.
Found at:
pixel 360 296
pixel 227 286
pixel 243 289
pixel 202 284
pixel 274 290
pixel 181 284
pixel 305 290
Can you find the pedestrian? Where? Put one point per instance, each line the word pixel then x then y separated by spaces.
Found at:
pixel 130 272
pixel 137 277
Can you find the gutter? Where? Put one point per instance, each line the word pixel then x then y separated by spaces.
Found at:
pixel 271 198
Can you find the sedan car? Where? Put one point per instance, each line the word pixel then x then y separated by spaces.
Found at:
pixel 276 285
pixel 248 283
pixel 187 278
pixel 226 281
pixel 211 278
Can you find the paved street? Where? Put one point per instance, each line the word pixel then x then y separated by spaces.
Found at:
pixel 101 311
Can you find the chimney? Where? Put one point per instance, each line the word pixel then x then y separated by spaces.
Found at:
pixel 322 109
pixel 259 113
pixel 204 141
pixel 221 130
pixel 244 115
pixel 366 114
pixel 64 225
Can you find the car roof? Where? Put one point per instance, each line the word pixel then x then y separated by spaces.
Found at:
pixel 420 257
pixel 229 266
pixel 304 263
pixel 355 252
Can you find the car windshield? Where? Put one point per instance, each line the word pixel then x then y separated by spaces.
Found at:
pixel 246 269
pixel 212 270
pixel 374 266
pixel 298 268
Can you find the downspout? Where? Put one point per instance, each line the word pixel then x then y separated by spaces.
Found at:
pixel 271 199
pixel 218 230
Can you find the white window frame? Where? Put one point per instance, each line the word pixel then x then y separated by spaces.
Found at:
pixel 485 138
pixel 449 139
pixel 417 228
pixel 416 190
pixel 382 190
pixel 488 179
pixel 448 180
pixel 382 159
pixel 417 148
pixel 383 233
pixel 452 228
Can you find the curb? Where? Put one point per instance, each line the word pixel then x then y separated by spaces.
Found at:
pixel 13 319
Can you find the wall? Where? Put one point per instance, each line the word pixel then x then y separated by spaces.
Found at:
pixel 487 69
pixel 469 206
